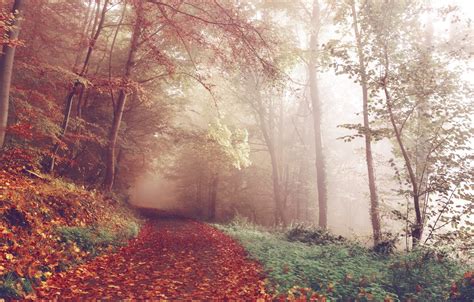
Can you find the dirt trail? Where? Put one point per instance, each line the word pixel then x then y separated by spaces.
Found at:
pixel 170 259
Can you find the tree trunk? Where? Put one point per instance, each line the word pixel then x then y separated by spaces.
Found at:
pixel 374 199
pixel 316 104
pixel 67 115
pixel 82 39
pixel 270 143
pixel 111 158
pixel 94 39
pixel 302 192
pixel 417 228
pixel 120 106
pixel 77 85
pixel 6 68
pixel 213 198
pixel 279 216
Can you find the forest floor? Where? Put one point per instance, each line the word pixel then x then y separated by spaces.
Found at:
pixel 170 259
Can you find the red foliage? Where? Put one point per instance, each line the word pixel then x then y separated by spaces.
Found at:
pixel 6 20
pixel 14 159
pixel 22 130
pixel 170 259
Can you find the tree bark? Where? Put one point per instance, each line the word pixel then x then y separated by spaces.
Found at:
pixel 122 98
pixel 6 68
pixel 374 199
pixel 316 104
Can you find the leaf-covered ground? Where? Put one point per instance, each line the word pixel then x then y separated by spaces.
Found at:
pixel 34 209
pixel 170 259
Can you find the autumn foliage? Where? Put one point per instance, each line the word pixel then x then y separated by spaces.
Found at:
pixel 170 259
pixel 32 209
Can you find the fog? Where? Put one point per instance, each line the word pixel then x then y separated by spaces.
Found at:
pixel 267 150
pixel 202 176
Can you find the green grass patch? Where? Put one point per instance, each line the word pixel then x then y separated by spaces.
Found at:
pixel 93 239
pixel 8 288
pixel 343 270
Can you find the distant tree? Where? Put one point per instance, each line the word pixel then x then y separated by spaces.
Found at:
pixel 225 149
pixel 317 116
pixel 204 158
pixel 256 93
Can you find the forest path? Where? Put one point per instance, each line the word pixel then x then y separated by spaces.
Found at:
pixel 170 259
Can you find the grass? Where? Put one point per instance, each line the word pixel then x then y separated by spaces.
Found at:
pixel 343 270
pixel 8 289
pixel 93 239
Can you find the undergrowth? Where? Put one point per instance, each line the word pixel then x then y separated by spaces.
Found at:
pixel 306 262
pixel 93 239
pixel 48 225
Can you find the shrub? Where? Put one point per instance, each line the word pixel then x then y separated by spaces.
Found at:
pixel 130 230
pixel 341 270
pixel 241 222
pixel 337 271
pixel 421 275
pixel 386 246
pixel 463 290
pixel 312 235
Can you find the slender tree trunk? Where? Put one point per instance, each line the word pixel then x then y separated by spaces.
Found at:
pixel 316 104
pixel 278 213
pixel 213 197
pixel 198 191
pixel 94 39
pixel 67 115
pixel 80 103
pixel 302 192
pixel 120 106
pixel 422 150
pixel 77 85
pixel 6 68
pixel 113 135
pixel 374 199
pixel 82 39
pixel 417 228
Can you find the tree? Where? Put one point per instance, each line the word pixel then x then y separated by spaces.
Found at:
pixel 317 116
pixel 427 106
pixel 263 108
pixel 205 157
pixel 122 98
pixel 184 27
pixel 6 64
pixel 224 150
pixel 365 129
pixel 79 84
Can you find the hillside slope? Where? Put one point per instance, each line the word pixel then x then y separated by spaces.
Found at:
pixel 48 225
